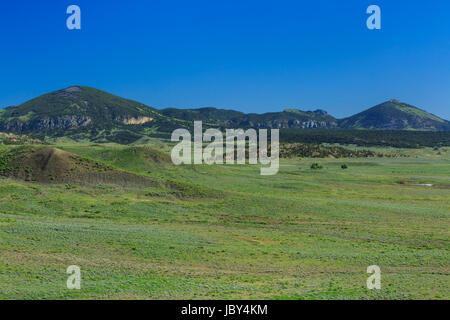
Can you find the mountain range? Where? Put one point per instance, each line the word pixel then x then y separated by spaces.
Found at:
pixel 81 112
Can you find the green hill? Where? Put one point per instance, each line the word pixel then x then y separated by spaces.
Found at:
pixel 84 113
pixel 395 115
pixel 74 107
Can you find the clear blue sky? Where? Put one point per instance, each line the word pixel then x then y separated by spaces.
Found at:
pixel 253 56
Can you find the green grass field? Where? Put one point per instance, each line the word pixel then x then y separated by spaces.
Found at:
pixel 229 233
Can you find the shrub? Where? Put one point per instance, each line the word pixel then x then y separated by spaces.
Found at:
pixel 316 166
pixel 344 166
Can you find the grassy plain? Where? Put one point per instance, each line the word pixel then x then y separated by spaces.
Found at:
pixel 302 234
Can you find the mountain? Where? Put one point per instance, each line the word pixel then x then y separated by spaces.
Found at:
pixel 289 118
pixel 84 113
pixel 73 107
pixel 395 115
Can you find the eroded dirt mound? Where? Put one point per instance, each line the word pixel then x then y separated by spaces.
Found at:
pixel 51 165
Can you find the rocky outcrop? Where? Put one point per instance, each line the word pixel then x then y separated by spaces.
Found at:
pixel 321 112
pixel 64 122
pixel 284 124
pixel 138 120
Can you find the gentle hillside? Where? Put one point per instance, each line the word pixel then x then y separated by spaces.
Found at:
pixel 395 115
pixel 137 159
pixel 142 168
pixel 52 165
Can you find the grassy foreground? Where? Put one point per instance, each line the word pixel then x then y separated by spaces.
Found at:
pixel 302 234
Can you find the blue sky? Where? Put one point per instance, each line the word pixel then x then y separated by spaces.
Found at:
pixel 253 56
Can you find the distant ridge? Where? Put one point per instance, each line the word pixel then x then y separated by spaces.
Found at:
pixel 289 118
pixel 85 113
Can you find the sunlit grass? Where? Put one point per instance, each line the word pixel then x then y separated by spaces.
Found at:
pixel 302 234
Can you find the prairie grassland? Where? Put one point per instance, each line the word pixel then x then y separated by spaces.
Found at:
pixel 231 233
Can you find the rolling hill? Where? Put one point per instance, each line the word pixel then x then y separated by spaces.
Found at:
pixel 46 164
pixel 143 168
